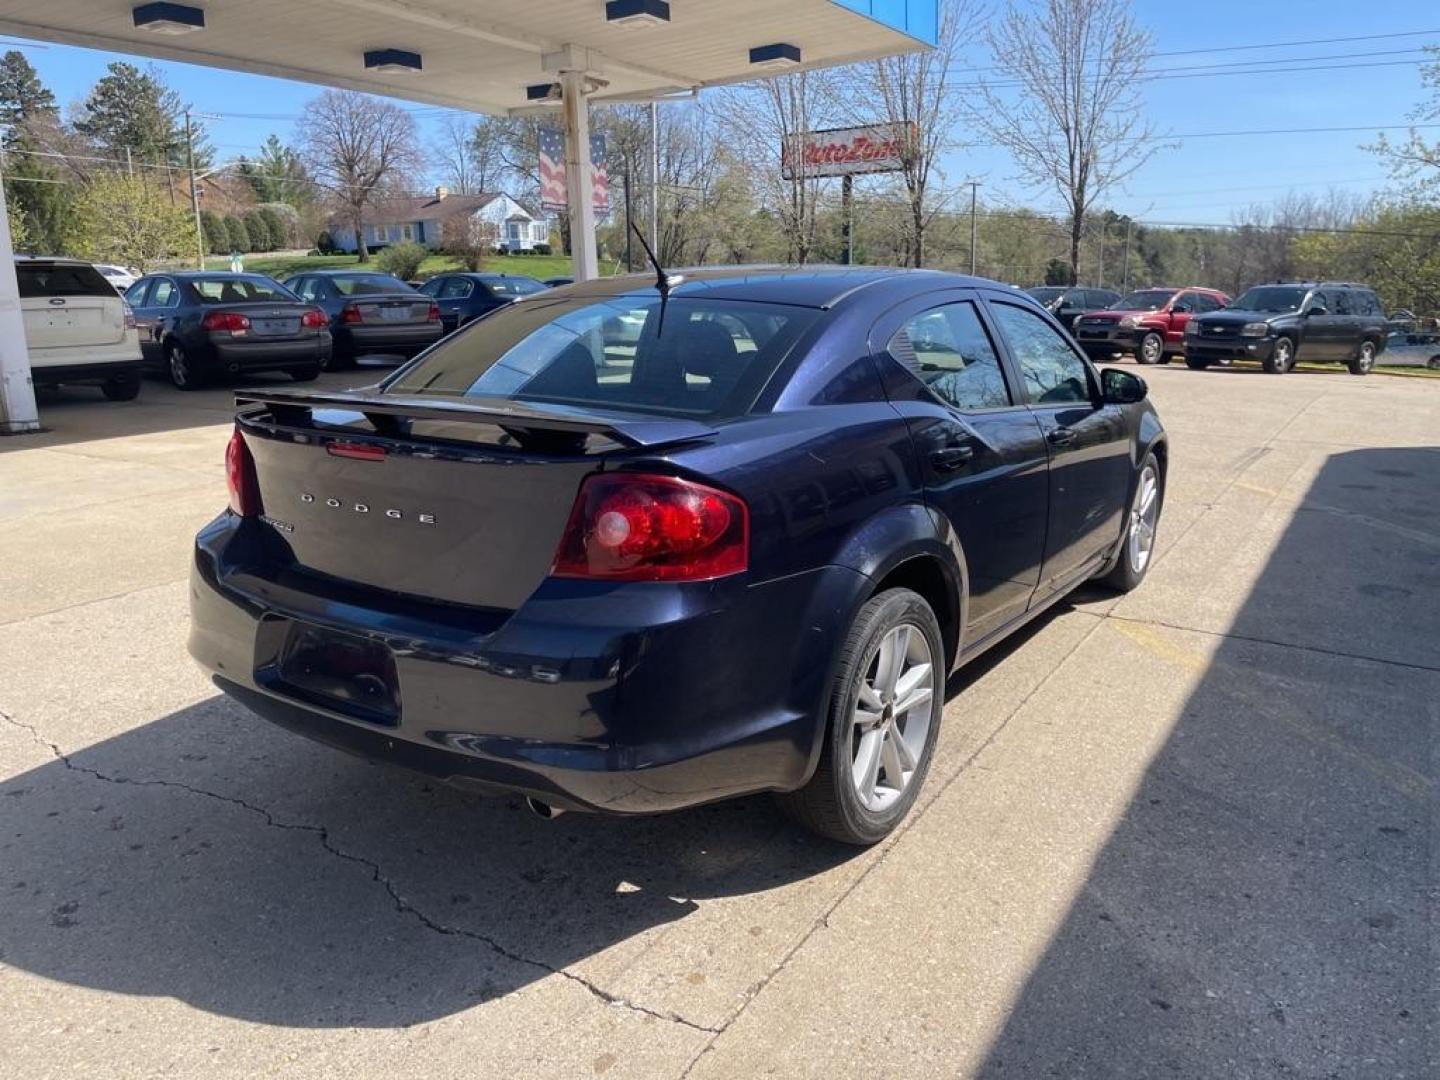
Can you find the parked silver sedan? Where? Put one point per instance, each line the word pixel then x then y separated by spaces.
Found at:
pixel 1411 348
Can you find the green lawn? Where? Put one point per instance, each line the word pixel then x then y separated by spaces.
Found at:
pixel 536 266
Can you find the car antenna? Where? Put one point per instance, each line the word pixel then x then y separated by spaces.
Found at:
pixel 663 282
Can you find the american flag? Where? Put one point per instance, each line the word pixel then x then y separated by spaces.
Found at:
pixel 552 172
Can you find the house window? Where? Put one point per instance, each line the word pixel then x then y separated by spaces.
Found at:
pixel 407 232
pixel 513 230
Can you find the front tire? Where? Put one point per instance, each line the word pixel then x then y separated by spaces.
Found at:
pixel 126 388
pixel 1281 358
pixel 883 722
pixel 1137 548
pixel 1363 362
pixel 1151 350
pixel 1194 363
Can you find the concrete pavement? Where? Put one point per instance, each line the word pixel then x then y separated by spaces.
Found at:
pixel 1190 832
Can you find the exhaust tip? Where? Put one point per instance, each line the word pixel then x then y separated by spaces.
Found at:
pixel 542 810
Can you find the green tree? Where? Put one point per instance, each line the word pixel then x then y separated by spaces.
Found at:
pixel 135 110
pixel 129 220
pixel 278 175
pixel 23 97
pixel 277 225
pixel 217 240
pixel 236 233
pixel 19 236
pixel 34 192
pixel 259 231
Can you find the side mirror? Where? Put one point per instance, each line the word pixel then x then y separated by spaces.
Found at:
pixel 1316 309
pixel 1120 387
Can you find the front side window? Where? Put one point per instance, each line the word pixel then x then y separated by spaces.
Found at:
pixel 948 350
pixel 1145 300
pixel 1319 299
pixel 709 359
pixel 135 295
pixel 1052 371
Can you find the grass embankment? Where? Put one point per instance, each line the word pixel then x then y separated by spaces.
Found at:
pixel 536 266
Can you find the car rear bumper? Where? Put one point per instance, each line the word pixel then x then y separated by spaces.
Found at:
pixel 405 339
pixel 260 354
pixel 87 372
pixel 627 699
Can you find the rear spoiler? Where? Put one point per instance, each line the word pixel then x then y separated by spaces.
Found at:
pixel 297 407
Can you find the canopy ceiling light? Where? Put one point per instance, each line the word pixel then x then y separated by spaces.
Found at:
pixel 779 55
pixel 543 92
pixel 637 12
pixel 392 61
pixel 170 19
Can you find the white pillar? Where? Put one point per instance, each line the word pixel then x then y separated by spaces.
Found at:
pixel 17 394
pixel 578 182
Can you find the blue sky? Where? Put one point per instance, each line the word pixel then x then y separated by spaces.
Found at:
pixel 1203 180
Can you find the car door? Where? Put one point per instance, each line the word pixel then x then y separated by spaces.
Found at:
pixel 1319 329
pixel 1348 323
pixel 161 302
pixel 457 302
pixel 980 451
pixel 1090 465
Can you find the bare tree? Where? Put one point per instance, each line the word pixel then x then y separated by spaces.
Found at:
pixel 1066 104
pixel 915 93
pixel 360 148
pixel 487 158
pixel 452 152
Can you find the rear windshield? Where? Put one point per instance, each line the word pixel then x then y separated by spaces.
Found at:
pixel 368 284
pixel 61 279
pixel 223 290
pixel 1144 300
pixel 514 286
pixel 710 359
pixel 1271 298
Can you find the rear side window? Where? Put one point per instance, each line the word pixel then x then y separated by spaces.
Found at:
pixel 1369 302
pixel 710 358
pixel 165 294
pixel 61 279
pixel 1344 302
pixel 948 350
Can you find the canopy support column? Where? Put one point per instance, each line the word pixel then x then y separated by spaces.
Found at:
pixel 585 264
pixel 18 412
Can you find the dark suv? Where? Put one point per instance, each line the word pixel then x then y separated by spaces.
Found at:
pixel 1068 303
pixel 1285 322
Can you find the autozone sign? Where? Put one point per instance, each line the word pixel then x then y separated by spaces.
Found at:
pixel 842 151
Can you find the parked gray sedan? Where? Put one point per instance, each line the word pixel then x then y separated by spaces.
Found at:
pixel 1411 348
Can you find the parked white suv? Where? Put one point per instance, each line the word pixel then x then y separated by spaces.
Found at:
pixel 77 327
pixel 121 277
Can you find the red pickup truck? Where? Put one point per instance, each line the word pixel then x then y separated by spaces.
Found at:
pixel 1148 322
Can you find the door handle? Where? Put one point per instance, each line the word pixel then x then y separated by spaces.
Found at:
pixel 950 458
pixel 1061 436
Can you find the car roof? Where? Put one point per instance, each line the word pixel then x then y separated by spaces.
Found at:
pixel 67 260
pixel 187 275
pixel 1312 284
pixel 818 286
pixel 332 271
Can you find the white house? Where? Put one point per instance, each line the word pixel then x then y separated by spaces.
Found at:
pixel 491 215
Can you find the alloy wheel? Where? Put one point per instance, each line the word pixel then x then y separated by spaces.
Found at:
pixel 179 365
pixel 1151 348
pixel 1284 355
pixel 1140 543
pixel 891 722
pixel 1367 356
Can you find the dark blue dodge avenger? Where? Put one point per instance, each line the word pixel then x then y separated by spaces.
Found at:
pixel 631 545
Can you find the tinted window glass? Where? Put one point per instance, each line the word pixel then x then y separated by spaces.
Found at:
pixel 164 294
pixel 710 359
pixel 136 293
pixel 1200 303
pixel 948 350
pixel 456 288
pixel 1369 303
pixel 1051 369
pixel 1146 300
pixel 1343 303
pixel 1274 299
pixel 1320 299
pixel 229 290
pixel 517 286
pixel 366 284
pixel 59 279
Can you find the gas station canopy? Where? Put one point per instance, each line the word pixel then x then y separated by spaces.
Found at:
pixel 499 56
pixel 484 57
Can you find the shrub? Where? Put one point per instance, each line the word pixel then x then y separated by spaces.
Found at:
pixel 543 249
pixel 325 243
pixel 283 222
pixel 258 230
pixel 236 233
pixel 402 260
pixel 217 239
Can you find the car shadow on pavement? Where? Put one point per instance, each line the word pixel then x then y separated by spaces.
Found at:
pixel 1260 907
pixel 215 859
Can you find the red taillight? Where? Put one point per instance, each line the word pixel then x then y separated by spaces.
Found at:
pixel 358 451
pixel 434 315
pixel 231 321
pixel 314 319
pixel 240 476
pixel 129 316
pixel 633 527
pixel 350 314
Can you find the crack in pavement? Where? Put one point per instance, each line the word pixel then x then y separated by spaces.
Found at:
pixel 402 905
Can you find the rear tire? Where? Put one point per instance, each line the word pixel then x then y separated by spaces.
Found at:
pixel 1363 362
pixel 1151 350
pixel 892 654
pixel 1137 546
pixel 1281 358
pixel 338 360
pixel 1433 363
pixel 309 373
pixel 181 368
pixel 1194 363
pixel 125 388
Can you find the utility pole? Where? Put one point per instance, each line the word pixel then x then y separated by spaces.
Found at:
pixel 194 194
pixel 129 164
pixel 974 199
pixel 847 216
pixel 629 218
pixel 1125 267
pixel 655 177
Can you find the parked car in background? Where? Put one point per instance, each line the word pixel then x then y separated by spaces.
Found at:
pixel 119 276
pixel 1068 304
pixel 464 296
pixel 198 325
pixel 370 314
pixel 1287 322
pixel 78 329
pixel 1148 322
pixel 1403 319
pixel 743 556
pixel 1415 348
